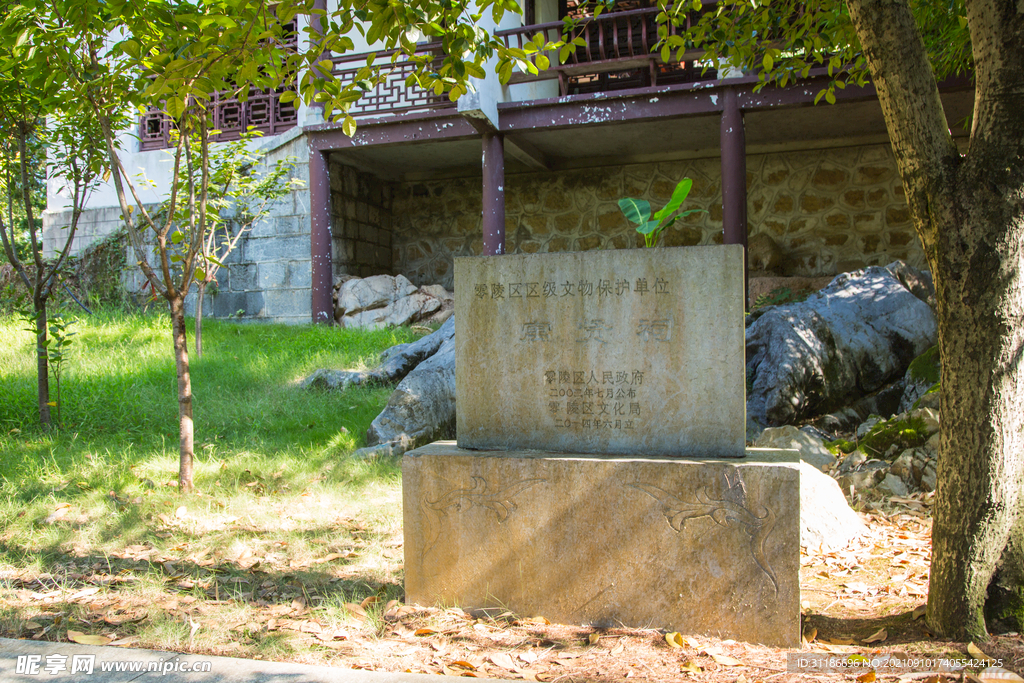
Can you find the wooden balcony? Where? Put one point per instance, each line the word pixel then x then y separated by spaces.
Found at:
pixel 616 55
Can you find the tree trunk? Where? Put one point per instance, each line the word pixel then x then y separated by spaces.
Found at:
pixel 200 293
pixel 980 296
pixel 969 214
pixel 42 363
pixel 184 394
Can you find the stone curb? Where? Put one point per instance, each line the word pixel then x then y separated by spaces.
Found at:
pixel 221 669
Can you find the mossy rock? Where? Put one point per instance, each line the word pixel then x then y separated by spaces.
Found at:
pixel 907 433
pixel 927 367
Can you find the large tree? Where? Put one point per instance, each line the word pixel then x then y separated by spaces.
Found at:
pixel 968 210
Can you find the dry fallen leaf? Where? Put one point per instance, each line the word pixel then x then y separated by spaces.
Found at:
pixel 504 661
pixel 692 642
pixel 997 674
pixel 532 620
pixel 593 638
pixel 674 640
pixel 726 660
pixel 691 666
pixel 528 657
pixel 920 611
pixel 33 625
pixel 370 601
pixel 868 677
pixel 877 637
pixel 975 652
pixel 424 632
pixel 83 639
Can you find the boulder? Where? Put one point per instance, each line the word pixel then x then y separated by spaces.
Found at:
pixel 422 406
pixel 406 309
pixel 788 437
pixel 849 339
pixel 826 519
pixel 396 363
pixel 376 291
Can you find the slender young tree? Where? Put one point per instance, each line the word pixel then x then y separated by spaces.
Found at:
pixel 31 124
pixel 968 211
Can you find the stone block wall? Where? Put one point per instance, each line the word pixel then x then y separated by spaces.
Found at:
pixel 269 274
pixel 361 223
pixel 829 210
pixel 93 226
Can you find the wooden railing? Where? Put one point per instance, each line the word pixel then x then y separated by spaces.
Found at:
pixel 264 111
pixel 392 96
pixel 616 44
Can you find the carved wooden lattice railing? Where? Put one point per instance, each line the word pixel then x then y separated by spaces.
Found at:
pixel 264 111
pixel 391 96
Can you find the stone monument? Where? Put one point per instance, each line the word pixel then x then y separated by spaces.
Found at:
pixel 599 474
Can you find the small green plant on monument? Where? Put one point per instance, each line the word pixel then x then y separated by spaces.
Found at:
pixel 638 211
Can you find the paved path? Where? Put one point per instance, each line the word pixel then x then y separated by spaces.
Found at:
pixel 150 665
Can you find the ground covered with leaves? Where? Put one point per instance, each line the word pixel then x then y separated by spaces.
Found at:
pixel 342 604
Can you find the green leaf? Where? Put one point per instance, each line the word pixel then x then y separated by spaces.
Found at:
pixel 175 107
pixel 177 236
pixel 768 62
pixel 200 274
pixel 543 62
pixel 647 228
pixel 349 126
pixel 678 197
pixel 635 210
pixel 830 97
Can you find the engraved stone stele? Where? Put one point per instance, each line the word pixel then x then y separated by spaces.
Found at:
pixel 598 395
pixel 708 547
pixel 619 352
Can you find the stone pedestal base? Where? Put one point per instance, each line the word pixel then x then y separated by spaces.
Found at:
pixel 697 546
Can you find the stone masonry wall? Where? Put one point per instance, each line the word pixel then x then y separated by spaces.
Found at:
pixel 361 222
pixel 268 275
pixel 829 210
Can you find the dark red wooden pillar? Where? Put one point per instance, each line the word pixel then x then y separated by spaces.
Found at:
pixel 734 177
pixel 494 194
pixel 320 237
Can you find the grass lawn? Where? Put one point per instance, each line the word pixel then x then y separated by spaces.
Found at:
pixel 281 514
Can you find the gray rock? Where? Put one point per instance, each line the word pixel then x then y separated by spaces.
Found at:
pixel 334 380
pixel 422 407
pixel 868 476
pixel 868 424
pixel 922 374
pixel 396 363
pixel 918 282
pixel 852 461
pixel 376 291
pixel 893 485
pixel 438 292
pixel 404 310
pixel 903 467
pixel 826 519
pixel 788 437
pixel 928 478
pixel 849 339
